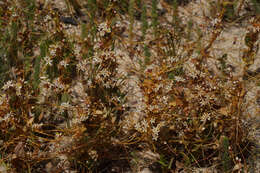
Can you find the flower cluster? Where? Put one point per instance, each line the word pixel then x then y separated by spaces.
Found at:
pixel 103 28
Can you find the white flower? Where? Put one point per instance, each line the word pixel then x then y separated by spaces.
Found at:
pixel 58 84
pixel 138 127
pixel 77 50
pixel 191 69
pixel 204 102
pixel 79 88
pixel 103 29
pixel 98 44
pixel 14 15
pixel 96 60
pixel 47 18
pixel 118 24
pixel 81 66
pixel 64 63
pixel 205 116
pixel 102 33
pixel 65 105
pixel 6 117
pixel 53 52
pixel 63 157
pixel 145 125
pixel 152 120
pixel 53 49
pixel 256 29
pixel 48 60
pixel 18 87
pixel 37 126
pixel 8 85
pixel 179 79
pixel 43 78
pixel 251 20
pixel 155 133
pixel 93 154
pixel 157 88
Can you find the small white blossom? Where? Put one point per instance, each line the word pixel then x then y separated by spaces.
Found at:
pixel 251 20
pixel 93 154
pixel 138 127
pixel 97 45
pixel 89 83
pixel 96 60
pixel 47 18
pixel 18 88
pixel 215 21
pixel 118 24
pixel 144 125
pixel 53 52
pixel 58 84
pixel 204 102
pixel 64 63
pixel 37 126
pixel 155 133
pixel 152 120
pixel 179 79
pixel 6 117
pixel 63 157
pixel 77 50
pixel 80 67
pixel 65 105
pixel 8 85
pixel 48 60
pixel 103 29
pixel 256 29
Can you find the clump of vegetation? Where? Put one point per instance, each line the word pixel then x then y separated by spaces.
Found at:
pixel 65 105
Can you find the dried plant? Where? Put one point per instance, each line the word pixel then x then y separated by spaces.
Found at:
pixel 66 102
